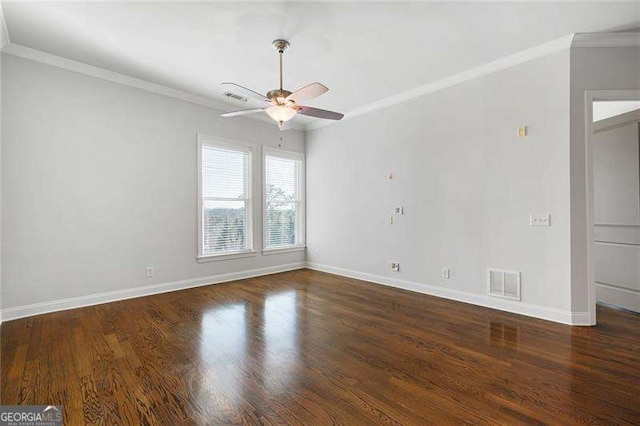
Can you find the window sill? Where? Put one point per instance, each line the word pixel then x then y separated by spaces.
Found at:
pixel 268 252
pixel 226 256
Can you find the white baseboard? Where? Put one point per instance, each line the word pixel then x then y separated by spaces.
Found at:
pixel 582 319
pixel 536 311
pixel 550 314
pixel 617 296
pixel 9 314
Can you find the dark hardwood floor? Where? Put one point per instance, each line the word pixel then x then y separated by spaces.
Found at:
pixel 313 348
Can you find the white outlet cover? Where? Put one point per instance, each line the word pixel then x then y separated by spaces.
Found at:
pixel 398 210
pixel 540 219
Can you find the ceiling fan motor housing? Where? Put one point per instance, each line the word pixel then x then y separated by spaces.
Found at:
pixel 278 96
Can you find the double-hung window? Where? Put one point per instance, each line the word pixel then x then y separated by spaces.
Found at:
pixel 283 200
pixel 225 211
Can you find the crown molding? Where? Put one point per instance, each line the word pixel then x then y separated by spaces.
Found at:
pixel 570 41
pixel 606 40
pixel 104 74
pixel 4 36
pixel 455 79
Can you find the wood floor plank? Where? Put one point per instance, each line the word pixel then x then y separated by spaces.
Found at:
pixel 305 347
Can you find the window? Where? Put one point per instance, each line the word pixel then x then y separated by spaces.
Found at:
pixel 283 199
pixel 225 213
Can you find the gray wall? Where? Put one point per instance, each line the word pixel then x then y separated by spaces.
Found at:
pixel 3 42
pixel 467 184
pixel 99 181
pixel 616 178
pixel 592 68
pixel 616 181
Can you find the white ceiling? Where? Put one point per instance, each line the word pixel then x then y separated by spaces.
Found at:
pixel 363 52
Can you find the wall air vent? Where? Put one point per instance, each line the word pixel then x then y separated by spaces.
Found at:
pixel 505 284
pixel 234 97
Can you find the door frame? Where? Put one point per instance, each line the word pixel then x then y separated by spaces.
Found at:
pixel 590 97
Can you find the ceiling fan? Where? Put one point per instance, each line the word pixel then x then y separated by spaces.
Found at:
pixel 283 104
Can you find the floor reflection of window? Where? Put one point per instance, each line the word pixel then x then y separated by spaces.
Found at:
pixel 505 335
pixel 223 348
pixel 281 340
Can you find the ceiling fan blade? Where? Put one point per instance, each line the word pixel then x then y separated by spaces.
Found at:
pixel 242 112
pixel 320 113
pixel 311 91
pixel 240 90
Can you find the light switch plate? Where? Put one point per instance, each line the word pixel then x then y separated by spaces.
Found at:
pixel 540 219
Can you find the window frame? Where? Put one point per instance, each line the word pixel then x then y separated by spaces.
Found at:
pixel 300 244
pixel 217 142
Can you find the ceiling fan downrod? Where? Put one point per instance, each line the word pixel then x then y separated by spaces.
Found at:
pixel 281 46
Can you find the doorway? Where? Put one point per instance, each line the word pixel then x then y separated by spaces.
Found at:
pixel 613 146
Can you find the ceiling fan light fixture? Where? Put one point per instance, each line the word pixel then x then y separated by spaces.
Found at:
pixel 281 113
pixel 284 105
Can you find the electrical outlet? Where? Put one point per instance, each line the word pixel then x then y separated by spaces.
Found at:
pixel 398 210
pixel 149 271
pixel 394 266
pixel 446 273
pixel 540 219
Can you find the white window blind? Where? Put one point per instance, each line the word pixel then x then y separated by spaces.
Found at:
pixel 284 200
pixel 225 199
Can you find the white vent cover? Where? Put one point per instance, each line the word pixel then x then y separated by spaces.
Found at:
pixel 505 284
pixel 235 97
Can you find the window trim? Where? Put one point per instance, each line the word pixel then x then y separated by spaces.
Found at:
pixel 301 227
pixel 207 140
pixel 226 256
